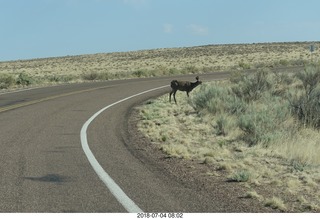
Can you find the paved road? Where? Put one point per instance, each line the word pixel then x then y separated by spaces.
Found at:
pixel 43 166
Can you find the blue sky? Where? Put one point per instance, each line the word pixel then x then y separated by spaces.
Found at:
pixel 49 28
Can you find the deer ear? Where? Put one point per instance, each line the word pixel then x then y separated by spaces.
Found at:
pixel 197 78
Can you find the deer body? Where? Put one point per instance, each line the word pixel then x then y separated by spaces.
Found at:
pixel 186 86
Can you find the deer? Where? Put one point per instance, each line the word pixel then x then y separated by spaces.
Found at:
pixel 183 86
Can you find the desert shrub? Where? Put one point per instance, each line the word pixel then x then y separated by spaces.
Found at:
pixel 275 203
pixel 104 76
pixel 24 79
pixel 251 103
pixel 251 86
pixel 244 65
pixel 210 98
pixel 236 77
pixel 284 62
pixel 174 71
pixel 6 81
pixel 190 69
pixel 264 124
pixel 285 79
pixel 310 78
pixel 221 126
pixel 140 73
pixel 54 78
pixel 91 76
pixel 235 105
pixel 240 176
pixel 60 78
pixel 305 106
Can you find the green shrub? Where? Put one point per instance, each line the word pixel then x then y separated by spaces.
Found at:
pixel 6 81
pixel 209 98
pixel 310 78
pixel 240 176
pixel 234 105
pixel 244 65
pixel 24 79
pixel 174 71
pixel 61 78
pixel 221 126
pixel 251 86
pixel 190 69
pixel 90 76
pixel 305 106
pixel 140 73
pixel 104 76
pixel 236 77
pixel 265 124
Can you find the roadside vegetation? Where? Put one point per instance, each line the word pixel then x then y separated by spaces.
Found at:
pixel 260 129
pixel 150 63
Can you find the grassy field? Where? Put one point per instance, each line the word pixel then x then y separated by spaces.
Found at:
pixel 260 129
pixel 157 62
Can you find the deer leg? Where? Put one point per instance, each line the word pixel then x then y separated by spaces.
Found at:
pixel 174 96
pixel 187 93
pixel 170 96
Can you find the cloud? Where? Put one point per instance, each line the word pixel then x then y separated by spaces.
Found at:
pixel 198 30
pixel 168 28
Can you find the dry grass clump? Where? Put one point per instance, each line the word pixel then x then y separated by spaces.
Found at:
pixel 248 130
pixel 275 203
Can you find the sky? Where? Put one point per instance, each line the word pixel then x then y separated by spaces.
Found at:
pixel 50 28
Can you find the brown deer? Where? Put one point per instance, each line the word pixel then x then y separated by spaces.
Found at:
pixel 183 86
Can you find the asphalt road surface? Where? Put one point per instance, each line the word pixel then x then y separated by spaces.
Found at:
pixel 58 155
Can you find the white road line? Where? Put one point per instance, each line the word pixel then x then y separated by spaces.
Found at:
pixel 118 193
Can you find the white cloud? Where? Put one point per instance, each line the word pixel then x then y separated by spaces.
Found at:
pixel 198 30
pixel 168 28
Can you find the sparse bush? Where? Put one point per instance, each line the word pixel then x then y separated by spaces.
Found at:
pixel 104 76
pixel 275 203
pixel 306 107
pixel 6 81
pixel 244 65
pixel 190 69
pixel 54 78
pixel 174 71
pixel 235 105
pixel 236 77
pixel 240 176
pixel 251 86
pixel 284 62
pixel 264 125
pixel 140 73
pixel 60 78
pixel 90 76
pixel 24 79
pixel 221 125
pixel 209 98
pixel 310 78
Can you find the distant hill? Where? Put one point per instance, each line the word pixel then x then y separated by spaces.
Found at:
pixel 146 63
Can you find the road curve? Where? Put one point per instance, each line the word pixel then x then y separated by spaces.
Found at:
pixel 44 168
